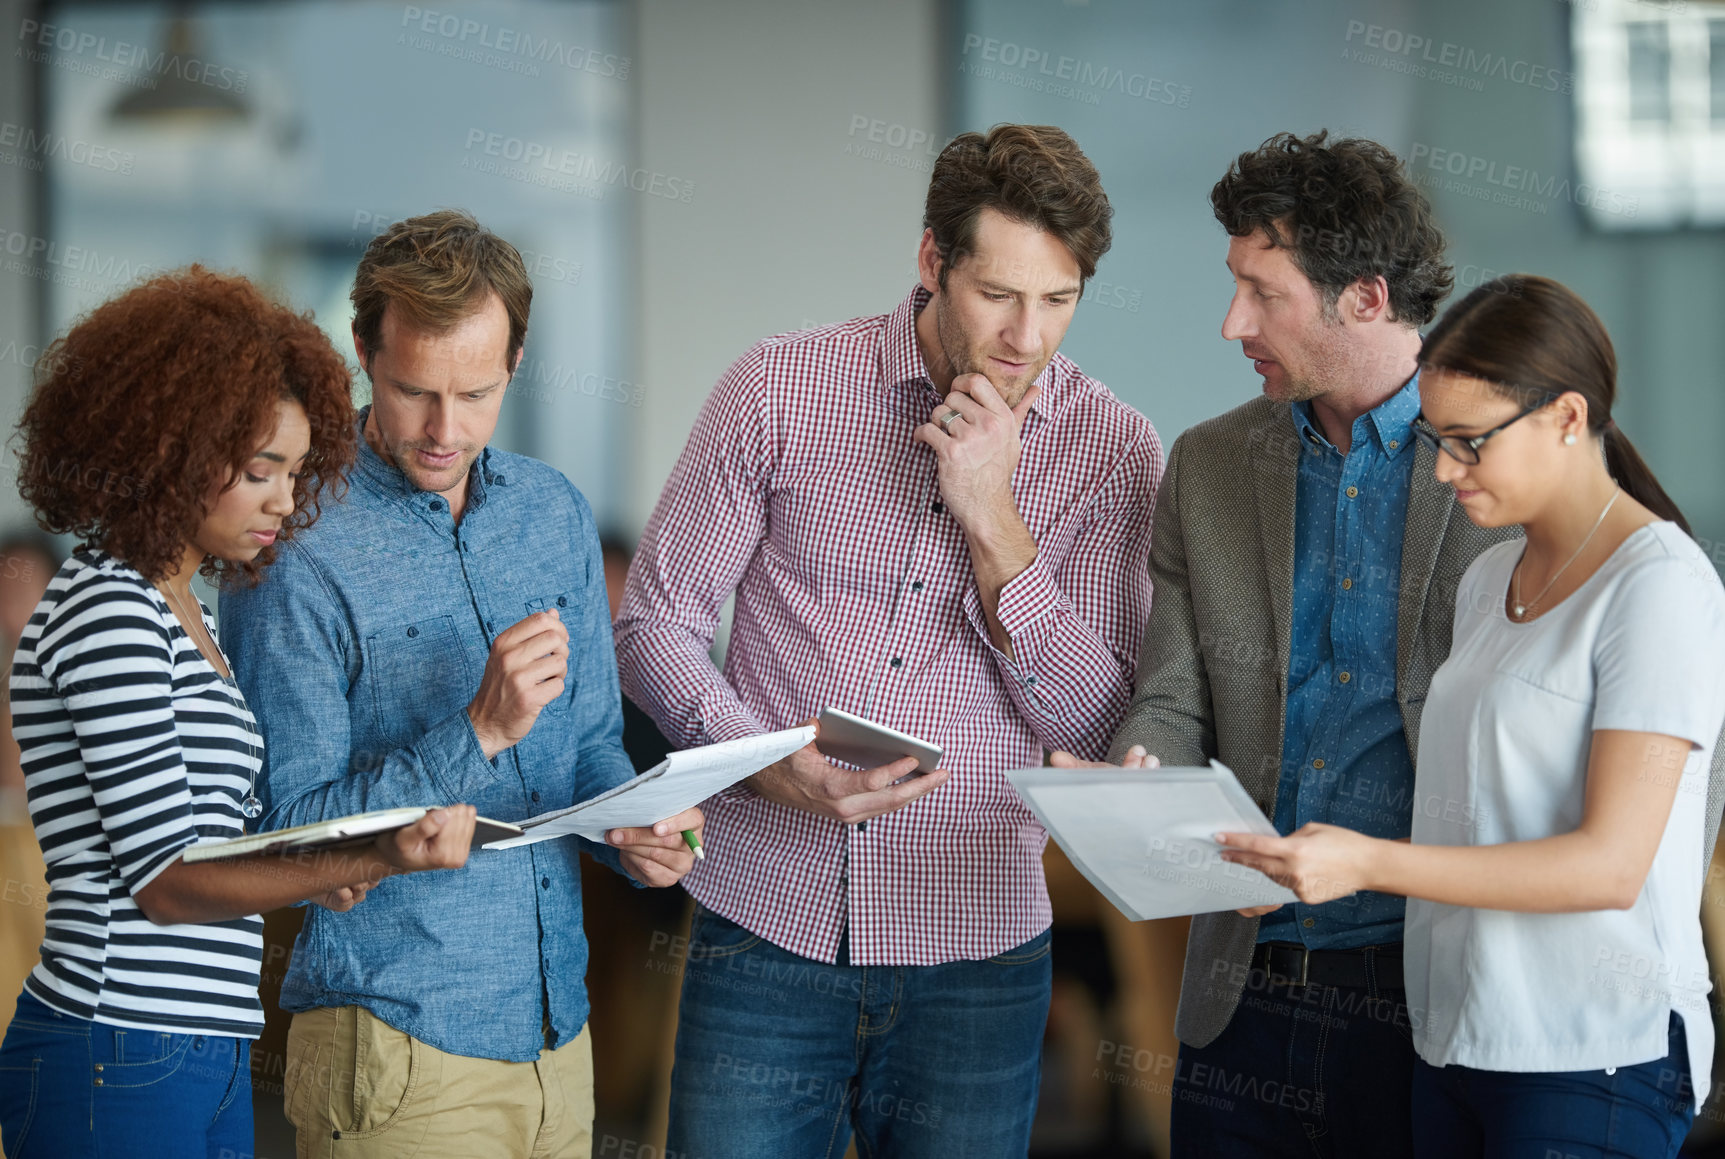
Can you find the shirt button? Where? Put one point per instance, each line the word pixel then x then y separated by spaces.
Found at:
pixel 1308 923
pixel 1394 443
pixel 501 480
pixel 562 601
pixel 1344 677
pixel 1352 492
pixel 1319 763
pixel 535 796
pixel 436 505
pixel 491 627
pixel 937 507
pixel 1347 585
pixel 545 883
pixel 896 662
pixel 412 632
pixel 916 585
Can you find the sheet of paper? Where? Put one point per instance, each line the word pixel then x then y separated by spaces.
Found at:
pixel 681 780
pixel 1145 837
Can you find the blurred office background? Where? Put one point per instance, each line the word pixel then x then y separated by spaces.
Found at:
pixel 687 176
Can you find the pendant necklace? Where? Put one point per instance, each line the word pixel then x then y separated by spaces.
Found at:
pixel 1520 608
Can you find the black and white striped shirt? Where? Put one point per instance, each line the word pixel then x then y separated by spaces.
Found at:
pixel 134 747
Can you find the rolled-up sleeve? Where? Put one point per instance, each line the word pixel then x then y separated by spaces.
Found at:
pixel 1075 622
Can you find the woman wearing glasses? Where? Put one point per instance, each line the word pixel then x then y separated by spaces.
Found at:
pixel 1555 972
pixel 188 425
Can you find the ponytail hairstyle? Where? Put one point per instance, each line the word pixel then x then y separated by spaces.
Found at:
pixel 1526 335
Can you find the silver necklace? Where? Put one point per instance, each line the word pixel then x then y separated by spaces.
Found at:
pixel 1520 608
pixel 250 807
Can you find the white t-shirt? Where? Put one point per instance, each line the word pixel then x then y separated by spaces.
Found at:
pixel 1504 745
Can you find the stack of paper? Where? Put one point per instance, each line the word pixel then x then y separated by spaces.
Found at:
pixel 681 780
pixel 1146 837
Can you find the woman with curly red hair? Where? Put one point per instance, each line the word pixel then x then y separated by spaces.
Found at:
pixel 186 426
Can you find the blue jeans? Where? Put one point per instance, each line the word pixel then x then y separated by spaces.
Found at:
pixel 1636 1112
pixel 784 1056
pixel 71 1089
pixel 1314 1072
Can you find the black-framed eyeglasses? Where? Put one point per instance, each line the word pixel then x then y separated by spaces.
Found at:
pixel 1465 448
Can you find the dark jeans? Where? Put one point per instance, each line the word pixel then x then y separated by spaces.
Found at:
pixel 1636 1112
pixel 782 1056
pixel 70 1088
pixel 1301 1071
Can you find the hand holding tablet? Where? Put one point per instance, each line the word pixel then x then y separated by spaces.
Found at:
pixel 893 769
pixel 868 745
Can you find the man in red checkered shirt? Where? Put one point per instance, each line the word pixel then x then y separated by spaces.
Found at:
pixel 931 519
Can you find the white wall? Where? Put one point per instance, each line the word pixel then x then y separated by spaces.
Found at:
pixel 755 101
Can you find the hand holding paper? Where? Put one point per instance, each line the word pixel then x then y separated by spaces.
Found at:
pixel 658 855
pixel 662 800
pixel 1318 862
pixel 1135 758
pixel 1147 837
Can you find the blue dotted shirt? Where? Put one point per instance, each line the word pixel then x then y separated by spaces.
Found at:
pixel 1345 757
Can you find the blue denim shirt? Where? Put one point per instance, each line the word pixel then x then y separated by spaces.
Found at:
pixel 359 653
pixel 1344 755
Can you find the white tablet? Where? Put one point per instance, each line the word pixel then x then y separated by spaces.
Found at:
pixel 868 745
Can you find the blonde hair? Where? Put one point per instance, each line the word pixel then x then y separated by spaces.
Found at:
pixel 436 269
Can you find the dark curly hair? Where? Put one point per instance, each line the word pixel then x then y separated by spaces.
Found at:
pixel 1035 174
pixel 165 391
pixel 1344 210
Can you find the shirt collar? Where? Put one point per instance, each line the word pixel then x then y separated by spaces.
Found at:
pixel 392 481
pixel 1390 422
pixel 902 363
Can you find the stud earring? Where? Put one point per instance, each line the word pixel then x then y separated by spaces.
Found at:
pixel 1569 440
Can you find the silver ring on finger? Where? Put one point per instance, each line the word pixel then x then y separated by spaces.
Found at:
pixel 947 419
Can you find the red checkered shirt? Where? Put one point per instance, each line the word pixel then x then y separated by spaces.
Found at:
pixel 802 491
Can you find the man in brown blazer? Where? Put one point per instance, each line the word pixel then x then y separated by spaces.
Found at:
pixel 1305 562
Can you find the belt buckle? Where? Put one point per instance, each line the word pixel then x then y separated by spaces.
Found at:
pixel 1305 968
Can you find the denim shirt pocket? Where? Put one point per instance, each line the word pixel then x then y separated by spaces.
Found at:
pixel 568 607
pixel 419 673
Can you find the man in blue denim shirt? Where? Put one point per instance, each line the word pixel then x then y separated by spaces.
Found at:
pixel 1345 758
pixel 443 636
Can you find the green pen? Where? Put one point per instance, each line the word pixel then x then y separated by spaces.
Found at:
pixel 694 844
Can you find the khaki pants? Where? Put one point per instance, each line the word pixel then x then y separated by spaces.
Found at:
pixel 357 1088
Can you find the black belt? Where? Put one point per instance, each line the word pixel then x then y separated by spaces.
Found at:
pixel 1291 964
